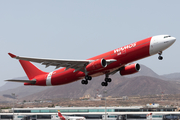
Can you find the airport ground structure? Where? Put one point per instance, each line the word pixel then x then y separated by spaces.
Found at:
pixel 87 112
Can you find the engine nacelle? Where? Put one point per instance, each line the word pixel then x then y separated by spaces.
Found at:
pixel 130 69
pixel 96 65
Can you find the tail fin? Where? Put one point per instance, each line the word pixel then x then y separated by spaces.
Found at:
pixel 30 70
pixel 60 115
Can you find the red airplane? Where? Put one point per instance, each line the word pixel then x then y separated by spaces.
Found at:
pixel 108 63
pixel 69 117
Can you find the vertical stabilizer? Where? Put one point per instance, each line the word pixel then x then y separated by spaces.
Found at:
pixel 31 70
pixel 60 115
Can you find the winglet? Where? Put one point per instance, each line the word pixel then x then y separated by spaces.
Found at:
pixel 12 55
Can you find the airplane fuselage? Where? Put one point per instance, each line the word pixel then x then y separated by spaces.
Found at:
pixel 123 55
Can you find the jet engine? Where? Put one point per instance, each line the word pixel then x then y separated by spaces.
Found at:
pixel 96 65
pixel 130 69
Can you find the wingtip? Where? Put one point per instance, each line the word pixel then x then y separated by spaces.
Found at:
pixel 12 55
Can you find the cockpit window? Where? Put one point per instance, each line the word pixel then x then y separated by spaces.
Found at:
pixel 167 36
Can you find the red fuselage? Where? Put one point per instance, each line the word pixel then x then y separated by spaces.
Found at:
pixel 123 55
pixel 117 60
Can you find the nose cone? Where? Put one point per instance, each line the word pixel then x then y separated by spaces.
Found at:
pixel 160 43
pixel 173 39
pixel 170 41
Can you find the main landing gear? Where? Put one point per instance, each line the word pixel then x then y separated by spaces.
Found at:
pixel 160 57
pixel 87 77
pixel 107 79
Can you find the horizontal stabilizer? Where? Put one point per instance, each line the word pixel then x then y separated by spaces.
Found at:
pixel 23 81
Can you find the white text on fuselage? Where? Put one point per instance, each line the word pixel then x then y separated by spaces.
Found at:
pixel 125 48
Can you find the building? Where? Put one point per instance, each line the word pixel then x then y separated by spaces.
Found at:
pixel 87 112
pixel 72 110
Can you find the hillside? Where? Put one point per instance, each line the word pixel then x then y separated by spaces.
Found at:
pixel 11 85
pixel 119 87
pixel 145 82
pixel 172 76
pixel 145 71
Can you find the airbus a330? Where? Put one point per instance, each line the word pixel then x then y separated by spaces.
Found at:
pixel 118 60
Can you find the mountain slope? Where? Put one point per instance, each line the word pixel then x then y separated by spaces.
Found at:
pixel 120 86
pixel 145 71
pixel 23 91
pixel 172 76
pixel 145 82
pixel 11 85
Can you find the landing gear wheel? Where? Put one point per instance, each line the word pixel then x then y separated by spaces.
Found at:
pixel 108 79
pixel 160 57
pixel 104 84
pixel 89 78
pixel 84 82
pixel 86 77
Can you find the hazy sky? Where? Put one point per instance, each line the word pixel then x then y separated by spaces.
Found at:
pixel 80 29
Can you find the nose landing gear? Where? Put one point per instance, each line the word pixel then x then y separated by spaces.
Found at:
pixel 160 57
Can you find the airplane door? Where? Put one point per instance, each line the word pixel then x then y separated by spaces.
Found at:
pixel 154 46
pixel 155 42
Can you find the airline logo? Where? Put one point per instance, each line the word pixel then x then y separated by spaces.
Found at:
pixel 125 48
pixel 60 115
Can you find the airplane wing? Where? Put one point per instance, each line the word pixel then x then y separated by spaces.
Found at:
pixel 75 64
